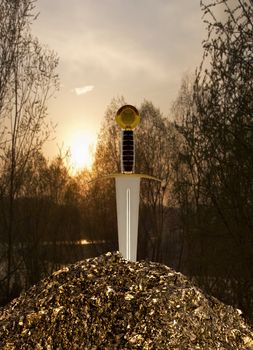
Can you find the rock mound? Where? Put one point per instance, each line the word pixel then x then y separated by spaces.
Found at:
pixel 110 303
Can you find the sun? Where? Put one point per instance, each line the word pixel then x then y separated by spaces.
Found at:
pixel 81 151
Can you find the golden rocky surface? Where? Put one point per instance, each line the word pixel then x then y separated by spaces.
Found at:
pixel 110 303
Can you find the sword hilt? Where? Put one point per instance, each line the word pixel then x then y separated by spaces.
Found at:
pixel 127 151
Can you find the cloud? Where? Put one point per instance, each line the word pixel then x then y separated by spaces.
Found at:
pixel 105 42
pixel 83 89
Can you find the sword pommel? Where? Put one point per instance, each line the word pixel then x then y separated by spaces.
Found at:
pixel 127 118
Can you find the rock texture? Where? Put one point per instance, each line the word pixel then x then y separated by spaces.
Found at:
pixel 110 303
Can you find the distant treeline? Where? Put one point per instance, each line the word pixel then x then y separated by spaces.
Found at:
pixel 198 220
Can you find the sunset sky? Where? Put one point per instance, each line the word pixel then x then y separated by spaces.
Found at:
pixel 107 48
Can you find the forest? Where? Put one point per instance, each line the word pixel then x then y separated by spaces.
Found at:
pixel 198 220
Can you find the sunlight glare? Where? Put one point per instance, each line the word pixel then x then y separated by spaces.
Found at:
pixel 81 151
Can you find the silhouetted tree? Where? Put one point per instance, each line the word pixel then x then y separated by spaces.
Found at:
pixel 217 155
pixel 27 80
pixel 156 148
pixel 100 203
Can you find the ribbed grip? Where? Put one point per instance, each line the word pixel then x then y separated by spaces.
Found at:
pixel 127 151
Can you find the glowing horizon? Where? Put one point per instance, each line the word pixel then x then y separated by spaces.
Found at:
pixel 81 147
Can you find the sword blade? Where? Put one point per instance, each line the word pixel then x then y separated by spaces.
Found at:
pixel 127 197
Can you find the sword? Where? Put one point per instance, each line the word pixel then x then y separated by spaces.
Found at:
pixel 128 184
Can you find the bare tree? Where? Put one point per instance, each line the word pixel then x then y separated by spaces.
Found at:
pixel 100 205
pixel 156 147
pixel 28 80
pixel 218 149
pixel 14 19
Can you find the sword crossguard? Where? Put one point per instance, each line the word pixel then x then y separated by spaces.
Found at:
pixel 110 176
